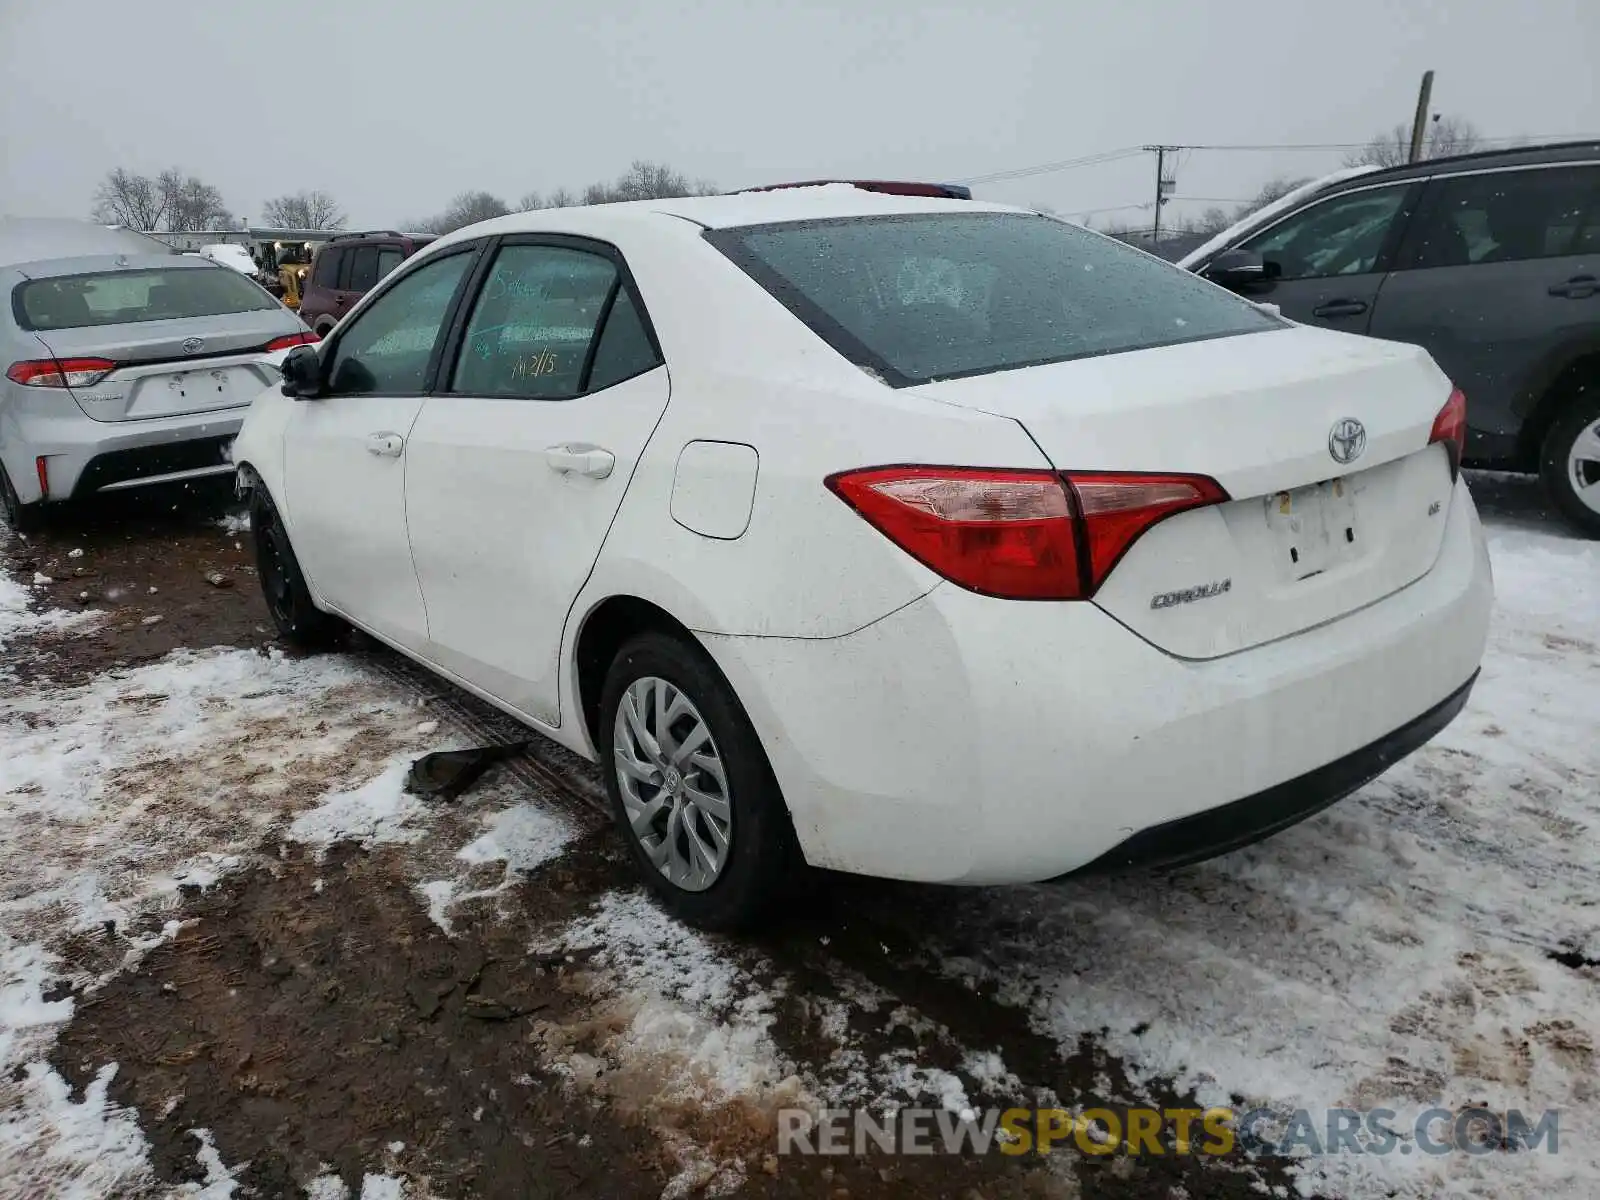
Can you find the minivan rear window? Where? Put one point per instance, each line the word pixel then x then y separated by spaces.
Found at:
pixel 920 297
pixel 135 296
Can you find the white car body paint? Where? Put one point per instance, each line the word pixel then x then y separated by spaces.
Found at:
pixel 917 730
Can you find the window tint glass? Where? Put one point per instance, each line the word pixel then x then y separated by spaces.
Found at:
pixel 915 298
pixel 530 328
pixel 1508 216
pixel 1341 236
pixel 624 350
pixel 387 348
pixel 363 269
pixel 327 272
pixel 129 297
pixel 388 259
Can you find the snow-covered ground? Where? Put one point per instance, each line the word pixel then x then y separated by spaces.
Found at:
pixel 1395 951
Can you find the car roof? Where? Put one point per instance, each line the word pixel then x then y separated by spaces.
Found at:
pixel 808 203
pixel 1488 160
pixel 31 239
pixel 822 202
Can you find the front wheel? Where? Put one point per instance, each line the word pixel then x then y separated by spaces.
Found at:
pixel 1570 463
pixel 300 622
pixel 690 786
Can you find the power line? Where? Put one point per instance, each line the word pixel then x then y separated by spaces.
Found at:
pixel 1110 156
pixel 1088 160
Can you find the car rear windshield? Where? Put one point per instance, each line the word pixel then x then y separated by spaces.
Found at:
pixel 128 297
pixel 943 295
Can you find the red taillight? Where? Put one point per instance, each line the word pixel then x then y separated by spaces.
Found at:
pixel 1450 427
pixel 292 340
pixel 1117 508
pixel 60 373
pixel 1021 535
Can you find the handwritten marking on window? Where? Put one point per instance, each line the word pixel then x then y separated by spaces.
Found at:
pixel 542 363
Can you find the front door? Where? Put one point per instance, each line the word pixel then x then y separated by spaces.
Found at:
pixel 1498 278
pixel 345 453
pixel 520 459
pixel 1332 256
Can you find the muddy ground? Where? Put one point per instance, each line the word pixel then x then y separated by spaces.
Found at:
pixel 314 1017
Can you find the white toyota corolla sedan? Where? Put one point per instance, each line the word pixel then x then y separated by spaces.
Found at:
pixel 908 536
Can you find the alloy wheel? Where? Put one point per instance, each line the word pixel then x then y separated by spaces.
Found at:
pixel 1583 466
pixel 673 783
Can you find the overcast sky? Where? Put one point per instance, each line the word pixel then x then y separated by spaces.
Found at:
pixel 393 106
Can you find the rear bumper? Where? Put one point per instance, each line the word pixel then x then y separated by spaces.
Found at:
pixel 1217 831
pixel 963 739
pixel 83 456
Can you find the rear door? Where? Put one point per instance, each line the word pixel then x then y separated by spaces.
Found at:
pixel 520 459
pixel 1498 277
pixel 345 452
pixel 182 335
pixel 1334 255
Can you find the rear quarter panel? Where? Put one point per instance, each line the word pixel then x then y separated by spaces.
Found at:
pixel 744 370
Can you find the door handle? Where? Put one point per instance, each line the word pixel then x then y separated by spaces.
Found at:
pixel 1579 287
pixel 385 445
pixel 1340 308
pixel 580 458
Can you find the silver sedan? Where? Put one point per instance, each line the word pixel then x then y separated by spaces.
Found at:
pixel 124 364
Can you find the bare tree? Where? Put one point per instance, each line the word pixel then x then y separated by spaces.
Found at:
pixel 646 180
pixel 560 198
pixel 1444 135
pixel 303 210
pixel 192 204
pixel 127 198
pixel 468 208
pixel 170 202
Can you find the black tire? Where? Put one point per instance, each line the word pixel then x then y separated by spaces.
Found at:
pixel 1572 422
pixel 300 622
pixel 761 857
pixel 23 518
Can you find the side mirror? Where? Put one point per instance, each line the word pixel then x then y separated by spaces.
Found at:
pixel 302 373
pixel 1243 271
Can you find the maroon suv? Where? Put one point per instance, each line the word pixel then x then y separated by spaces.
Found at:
pixel 346 267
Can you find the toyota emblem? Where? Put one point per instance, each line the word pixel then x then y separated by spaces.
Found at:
pixel 193 345
pixel 1347 440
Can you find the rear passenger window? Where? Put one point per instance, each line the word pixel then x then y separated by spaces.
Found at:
pixel 363 269
pixel 327 272
pixel 535 320
pixel 388 259
pixel 1507 216
pixel 624 350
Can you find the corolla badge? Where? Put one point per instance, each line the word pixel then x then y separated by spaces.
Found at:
pixel 1347 440
pixel 193 345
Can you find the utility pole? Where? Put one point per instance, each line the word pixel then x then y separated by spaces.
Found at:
pixel 1164 187
pixel 1419 123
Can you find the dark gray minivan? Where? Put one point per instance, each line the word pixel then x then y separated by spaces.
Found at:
pixel 1491 262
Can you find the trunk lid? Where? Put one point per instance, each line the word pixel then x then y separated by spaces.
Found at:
pixel 1305 538
pixel 170 368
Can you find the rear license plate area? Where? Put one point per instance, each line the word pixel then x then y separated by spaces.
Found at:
pixel 213 388
pixel 1314 528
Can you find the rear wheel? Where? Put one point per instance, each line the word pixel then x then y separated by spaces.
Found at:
pixel 1570 462
pixel 300 622
pixel 23 518
pixel 690 786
